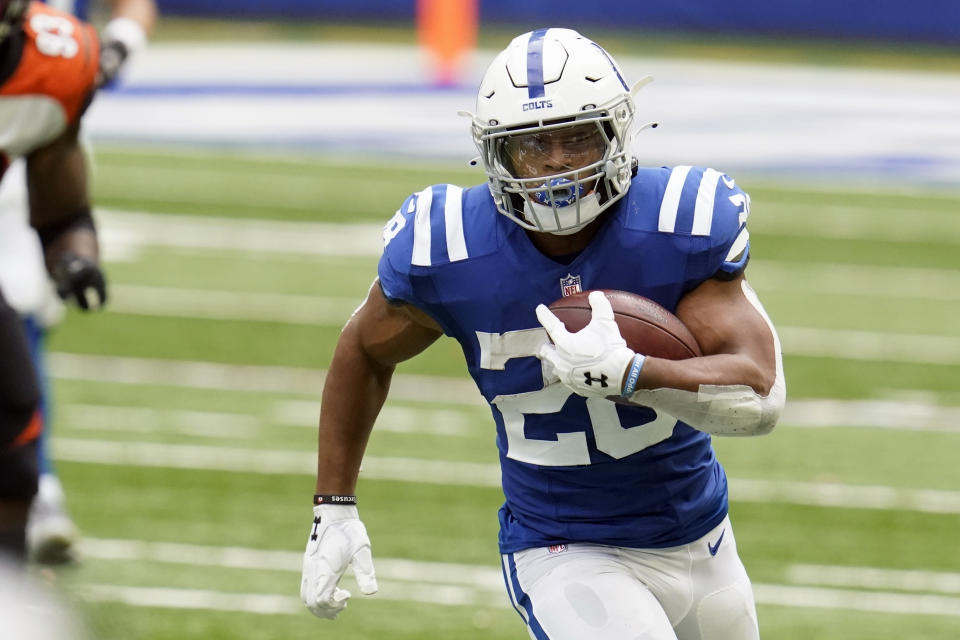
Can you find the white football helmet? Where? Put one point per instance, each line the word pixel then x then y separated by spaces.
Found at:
pixel 553 126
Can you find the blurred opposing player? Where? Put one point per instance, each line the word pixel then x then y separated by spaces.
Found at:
pixel 615 524
pixel 51 532
pixel 48 75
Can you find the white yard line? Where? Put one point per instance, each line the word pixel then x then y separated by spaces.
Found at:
pixel 475 474
pixel 232 305
pixel 874 578
pixel 223 424
pixel 870 346
pixel 254 378
pixel 847 600
pixel 446 583
pixel 125 232
pixel 445 390
pixel 874 281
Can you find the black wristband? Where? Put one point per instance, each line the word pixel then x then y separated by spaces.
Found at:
pixel 79 220
pixel 320 498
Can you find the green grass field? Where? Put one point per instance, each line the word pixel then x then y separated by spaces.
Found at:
pixel 185 414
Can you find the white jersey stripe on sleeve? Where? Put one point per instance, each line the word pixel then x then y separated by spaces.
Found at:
pixel 422 230
pixel 670 204
pixel 453 221
pixel 706 197
pixel 738 245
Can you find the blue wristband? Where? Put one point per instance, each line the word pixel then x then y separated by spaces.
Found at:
pixel 631 384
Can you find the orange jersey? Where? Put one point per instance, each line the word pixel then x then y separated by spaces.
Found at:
pixel 53 82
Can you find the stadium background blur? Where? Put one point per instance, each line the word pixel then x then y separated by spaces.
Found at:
pixel 243 170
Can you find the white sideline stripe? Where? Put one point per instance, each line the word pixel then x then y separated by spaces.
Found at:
pixel 871 414
pixel 476 474
pixel 321 311
pixel 208 424
pixel 218 424
pixel 447 390
pixel 871 346
pixel 232 305
pixel 856 280
pixel 202 599
pixel 455 584
pixel 400 569
pixel 873 578
pixel 449 595
pixel 125 232
pixel 832 494
pixel 227 377
pixel 871 601
pixel 268 461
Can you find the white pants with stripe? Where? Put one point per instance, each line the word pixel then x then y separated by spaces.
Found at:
pixel 699 591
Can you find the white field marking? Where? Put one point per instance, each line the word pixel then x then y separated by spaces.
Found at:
pixel 871 346
pixel 400 569
pixel 446 390
pixel 848 600
pixel 868 414
pixel 476 474
pixel 268 461
pixel 874 578
pixel 202 599
pixel 452 595
pixel 126 232
pixel 270 603
pixel 253 378
pixel 305 310
pixel 871 414
pixel 439 422
pixel 856 280
pixel 848 496
pixel 453 584
pixel 210 424
pixel 232 305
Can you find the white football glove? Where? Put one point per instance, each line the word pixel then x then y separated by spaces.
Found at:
pixel 337 539
pixel 592 361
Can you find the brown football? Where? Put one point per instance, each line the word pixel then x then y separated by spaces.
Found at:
pixel 647 327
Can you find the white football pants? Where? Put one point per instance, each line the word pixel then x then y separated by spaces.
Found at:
pixel 699 591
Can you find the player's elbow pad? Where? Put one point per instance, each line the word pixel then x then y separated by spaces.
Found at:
pixel 731 410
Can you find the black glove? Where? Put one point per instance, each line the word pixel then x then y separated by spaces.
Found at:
pixel 113 54
pixel 82 280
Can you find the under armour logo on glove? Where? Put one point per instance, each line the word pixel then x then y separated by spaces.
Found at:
pixel 316 525
pixel 589 380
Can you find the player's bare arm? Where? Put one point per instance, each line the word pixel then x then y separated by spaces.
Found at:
pixel 378 337
pixel 57 188
pixel 737 342
pixel 60 212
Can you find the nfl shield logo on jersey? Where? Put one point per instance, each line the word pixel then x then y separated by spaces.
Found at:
pixel 570 285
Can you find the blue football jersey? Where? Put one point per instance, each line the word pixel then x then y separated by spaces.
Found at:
pixel 574 469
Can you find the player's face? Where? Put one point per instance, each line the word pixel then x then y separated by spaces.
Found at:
pixel 546 153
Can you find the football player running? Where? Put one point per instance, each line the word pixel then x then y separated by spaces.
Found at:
pixel 51 533
pixel 615 522
pixel 48 75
